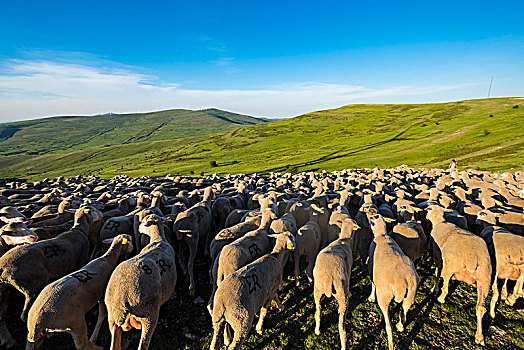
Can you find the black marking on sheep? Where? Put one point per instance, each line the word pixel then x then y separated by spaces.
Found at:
pixel 83 276
pixel 113 225
pixel 163 266
pixel 254 250
pixel 252 282
pixel 147 269
pixel 52 250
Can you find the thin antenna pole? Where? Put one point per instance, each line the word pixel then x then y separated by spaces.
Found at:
pixel 490 83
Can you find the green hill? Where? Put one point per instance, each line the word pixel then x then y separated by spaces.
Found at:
pixel 483 134
pixel 65 134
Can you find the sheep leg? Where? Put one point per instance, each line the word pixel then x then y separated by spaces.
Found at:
pixel 263 312
pixel 514 296
pixel 384 306
pixel 181 258
pixel 406 304
pixel 480 311
pixel 309 269
pixel 102 314
pixel 190 262
pixel 206 244
pixel 317 296
pixel 446 276
pixel 504 293
pixel 228 338
pixel 371 297
pixel 342 311
pixel 436 286
pixel 79 333
pixel 216 331
pixel 494 299
pixel 297 267
pixel 116 337
pixel 240 335
pixel 148 327
pixel 280 306
pixel 210 302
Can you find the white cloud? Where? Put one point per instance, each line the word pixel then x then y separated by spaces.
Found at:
pixel 38 88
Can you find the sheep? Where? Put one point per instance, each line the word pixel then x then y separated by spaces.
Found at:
pixel 48 260
pixel 285 223
pixel 153 209
pixel 190 227
pixel 298 210
pixel 308 240
pixel 223 238
pixel 410 235
pixel 460 254
pixel 507 253
pixel 244 250
pixel 139 286
pixel 248 290
pixel 363 237
pixel 401 200
pixel 333 271
pixel 511 221
pixel 66 210
pixel 229 234
pixel 123 208
pixel 11 214
pixel 338 215
pixel 392 273
pixel 466 208
pixel 220 211
pixel 13 234
pixel 235 216
pixel 62 305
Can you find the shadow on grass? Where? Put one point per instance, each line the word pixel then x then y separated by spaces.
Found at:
pixel 337 155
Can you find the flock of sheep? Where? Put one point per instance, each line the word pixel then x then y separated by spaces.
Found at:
pixel 68 244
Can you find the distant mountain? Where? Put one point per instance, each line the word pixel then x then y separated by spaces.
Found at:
pixel 485 134
pixel 69 133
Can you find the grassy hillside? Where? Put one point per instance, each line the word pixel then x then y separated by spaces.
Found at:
pixel 483 134
pixel 65 134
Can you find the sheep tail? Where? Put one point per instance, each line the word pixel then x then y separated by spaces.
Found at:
pixel 400 292
pixel 337 284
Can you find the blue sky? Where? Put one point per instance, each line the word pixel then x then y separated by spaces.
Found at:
pixel 272 58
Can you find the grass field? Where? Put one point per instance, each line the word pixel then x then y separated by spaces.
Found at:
pixel 483 134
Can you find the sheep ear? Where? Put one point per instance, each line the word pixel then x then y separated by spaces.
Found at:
pixel 448 210
pixel 273 235
pixel 417 210
pixel 72 211
pixel 389 220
